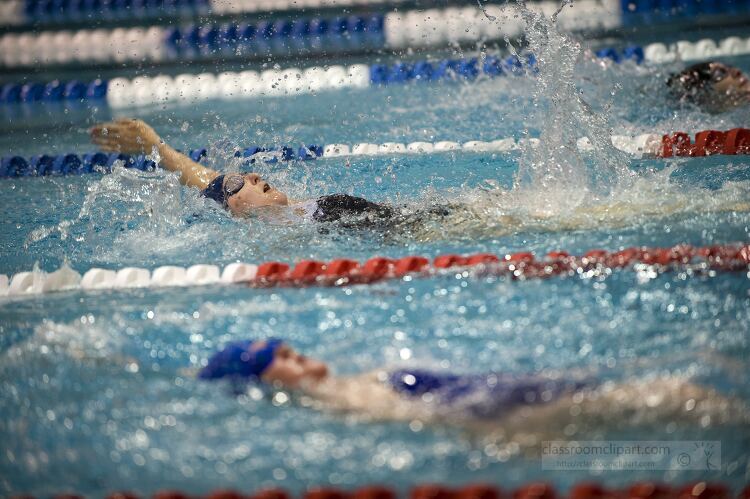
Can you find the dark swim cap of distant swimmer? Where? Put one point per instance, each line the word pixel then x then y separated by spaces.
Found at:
pixel 241 360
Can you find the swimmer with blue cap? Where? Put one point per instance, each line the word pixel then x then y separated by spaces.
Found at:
pixel 481 401
pixel 240 194
pixel 266 361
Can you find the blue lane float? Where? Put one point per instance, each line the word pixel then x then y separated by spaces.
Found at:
pixel 450 69
pixel 99 162
pixel 55 90
pixel 70 164
pixel 639 12
pixel 60 11
pixel 355 30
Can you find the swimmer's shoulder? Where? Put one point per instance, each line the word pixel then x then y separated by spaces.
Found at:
pixel 304 209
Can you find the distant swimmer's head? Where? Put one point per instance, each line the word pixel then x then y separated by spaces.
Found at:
pixel 714 86
pixel 240 193
pixel 270 361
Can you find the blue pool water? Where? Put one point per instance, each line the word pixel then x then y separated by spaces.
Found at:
pixel 93 385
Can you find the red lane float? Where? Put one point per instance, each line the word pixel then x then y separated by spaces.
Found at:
pixel 341 268
pixel 170 494
pixel 704 490
pixel 707 143
pixel 473 491
pixel 307 271
pixel 431 491
pixel 374 492
pixel 524 257
pixel 590 490
pixel 409 265
pixel 649 490
pixel 225 494
pixel 376 268
pixel 522 265
pixel 271 494
pixel 326 493
pixel 535 491
pixel 540 490
pixel 479 491
pixel 481 259
pixel 446 261
pixel 271 271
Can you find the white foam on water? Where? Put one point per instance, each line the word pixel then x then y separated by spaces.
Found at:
pixel 648 198
pixel 81 340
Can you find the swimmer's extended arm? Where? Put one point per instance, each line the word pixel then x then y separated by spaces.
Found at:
pixel 132 136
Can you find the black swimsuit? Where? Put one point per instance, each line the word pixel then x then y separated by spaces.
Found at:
pixel 360 211
pixel 355 212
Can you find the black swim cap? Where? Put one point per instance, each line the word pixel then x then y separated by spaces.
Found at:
pixel 215 191
pixel 694 82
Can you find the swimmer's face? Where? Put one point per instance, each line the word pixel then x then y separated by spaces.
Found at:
pixel 730 80
pixel 255 193
pixel 291 370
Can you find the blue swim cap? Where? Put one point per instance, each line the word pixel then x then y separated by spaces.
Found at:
pixel 237 361
pixel 215 190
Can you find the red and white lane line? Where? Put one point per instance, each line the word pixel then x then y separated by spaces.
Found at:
pixel 342 272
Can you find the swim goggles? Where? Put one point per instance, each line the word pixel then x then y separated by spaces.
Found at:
pixel 232 185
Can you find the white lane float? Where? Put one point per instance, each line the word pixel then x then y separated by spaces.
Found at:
pixel 168 275
pixel 132 277
pixel 97 278
pixel 238 272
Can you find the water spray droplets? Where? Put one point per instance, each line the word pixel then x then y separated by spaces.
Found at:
pixel 555 176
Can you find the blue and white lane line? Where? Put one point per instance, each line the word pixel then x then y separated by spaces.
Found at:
pixel 192 42
pixel 50 12
pixel 393 30
pixel 189 88
pixel 646 145
pixel 594 13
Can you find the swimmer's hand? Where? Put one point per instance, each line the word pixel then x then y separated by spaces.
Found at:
pixel 131 136
pixel 126 135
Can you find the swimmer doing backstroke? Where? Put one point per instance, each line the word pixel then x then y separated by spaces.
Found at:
pixel 242 194
pixel 488 402
pixel 713 86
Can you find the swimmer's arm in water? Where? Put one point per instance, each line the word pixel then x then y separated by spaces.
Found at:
pixel 132 136
pixel 365 395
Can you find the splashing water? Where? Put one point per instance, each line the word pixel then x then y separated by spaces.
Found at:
pixel 144 208
pixel 148 218
pixel 553 176
pixel 556 167
pixel 150 194
pixel 557 186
